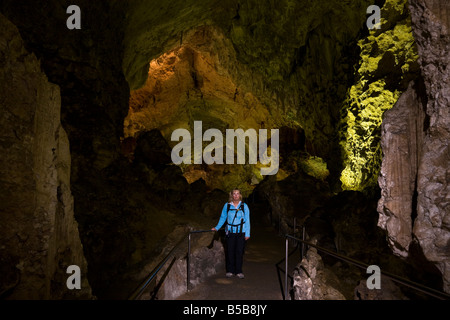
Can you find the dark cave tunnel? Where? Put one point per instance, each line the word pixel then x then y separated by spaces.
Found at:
pixel 93 110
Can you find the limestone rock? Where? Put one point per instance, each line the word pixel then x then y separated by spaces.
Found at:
pixel 312 281
pixel 431 29
pixel 387 65
pixel 300 76
pixel 39 234
pixel 415 140
pixel 298 79
pixel 402 141
pixel 388 291
pixel 207 258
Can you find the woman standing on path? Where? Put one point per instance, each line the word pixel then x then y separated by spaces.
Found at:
pixel 236 214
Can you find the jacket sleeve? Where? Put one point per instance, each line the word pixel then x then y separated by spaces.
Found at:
pixel 223 217
pixel 247 221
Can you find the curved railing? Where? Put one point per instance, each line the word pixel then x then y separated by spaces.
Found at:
pixel 144 285
pixel 416 286
pixel 406 282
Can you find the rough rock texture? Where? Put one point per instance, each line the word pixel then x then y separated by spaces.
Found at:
pixel 205 262
pixel 86 64
pixel 431 29
pixel 191 83
pixel 207 258
pixel 295 58
pixel 347 224
pixel 387 65
pixel 39 235
pixel 388 291
pixel 312 281
pixel 301 75
pixel 402 142
pixel 304 78
pixel 414 180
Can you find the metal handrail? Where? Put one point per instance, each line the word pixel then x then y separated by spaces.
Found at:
pixel 417 286
pixel 138 292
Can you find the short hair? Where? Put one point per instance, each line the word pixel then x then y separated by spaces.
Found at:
pixel 230 196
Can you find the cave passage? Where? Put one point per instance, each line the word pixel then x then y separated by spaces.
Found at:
pixel 122 134
pixel 263 281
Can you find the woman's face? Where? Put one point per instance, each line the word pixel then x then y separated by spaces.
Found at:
pixel 236 195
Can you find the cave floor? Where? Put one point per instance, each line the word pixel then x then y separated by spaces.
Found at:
pixel 264 250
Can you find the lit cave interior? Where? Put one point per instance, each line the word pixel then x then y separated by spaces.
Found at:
pixel 87 174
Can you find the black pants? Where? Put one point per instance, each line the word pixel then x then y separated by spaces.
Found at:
pixel 235 252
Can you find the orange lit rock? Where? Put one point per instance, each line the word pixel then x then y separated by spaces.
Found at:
pixel 191 83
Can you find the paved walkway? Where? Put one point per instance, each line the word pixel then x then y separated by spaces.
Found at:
pixel 262 281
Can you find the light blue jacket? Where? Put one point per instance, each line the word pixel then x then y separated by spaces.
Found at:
pixel 230 216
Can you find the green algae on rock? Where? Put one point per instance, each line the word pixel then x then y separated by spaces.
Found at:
pixel 387 64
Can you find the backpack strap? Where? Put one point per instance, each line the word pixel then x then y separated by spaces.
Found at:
pixel 241 207
pixel 240 225
pixel 226 220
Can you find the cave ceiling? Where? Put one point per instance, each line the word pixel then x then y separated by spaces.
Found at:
pixel 310 68
pixel 139 70
pixel 307 65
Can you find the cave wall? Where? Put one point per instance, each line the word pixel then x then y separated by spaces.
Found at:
pixel 402 141
pixel 323 72
pixel 86 64
pixel 125 210
pixel 39 234
pixel 414 179
pixel 300 76
pixel 387 63
pixel 432 226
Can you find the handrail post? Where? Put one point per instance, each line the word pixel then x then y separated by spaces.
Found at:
pixel 137 293
pixel 295 224
pixel 286 270
pixel 279 224
pixel 303 238
pixel 188 263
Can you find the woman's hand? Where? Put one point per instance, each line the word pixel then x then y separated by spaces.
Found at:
pixel 213 229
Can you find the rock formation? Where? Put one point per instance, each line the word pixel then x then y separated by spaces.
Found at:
pixel 39 234
pixel 207 258
pixel 402 141
pixel 414 179
pixel 312 281
pixel 101 153
pixel 389 291
pixel 388 62
pixel 432 225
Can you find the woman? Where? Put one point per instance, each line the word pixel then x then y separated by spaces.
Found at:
pixel 236 214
